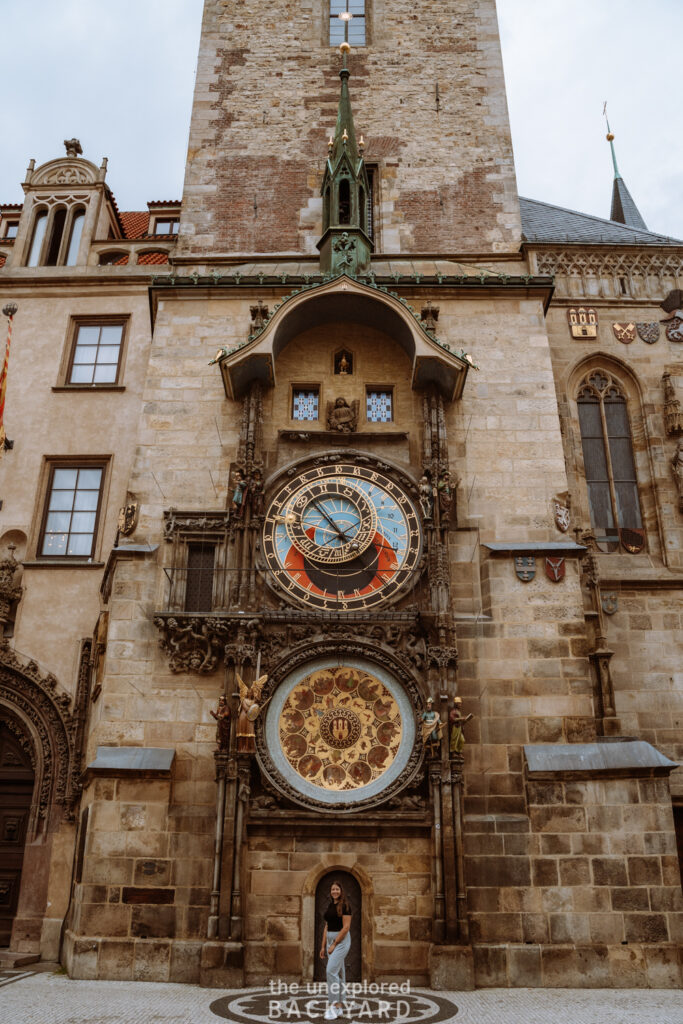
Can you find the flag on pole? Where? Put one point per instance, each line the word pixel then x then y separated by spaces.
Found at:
pixel 9 311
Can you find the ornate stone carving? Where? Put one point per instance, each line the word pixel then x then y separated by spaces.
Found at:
pixel 673 416
pixel 34 698
pixel 194 522
pixel 128 518
pixel 259 315
pixel 73 147
pixel 429 316
pixel 10 589
pixel 190 644
pixel 342 416
pixel 677 466
pixel 570 263
pixel 222 716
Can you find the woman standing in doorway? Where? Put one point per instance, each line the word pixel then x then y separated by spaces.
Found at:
pixel 335 945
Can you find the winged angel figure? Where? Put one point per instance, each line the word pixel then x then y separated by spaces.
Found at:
pixel 250 709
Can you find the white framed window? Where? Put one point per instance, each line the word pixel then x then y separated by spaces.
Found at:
pixel 351 12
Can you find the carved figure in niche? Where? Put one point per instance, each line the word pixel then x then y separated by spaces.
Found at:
pixel 431 729
pixel 255 493
pixel 445 495
pixel 343 363
pixel 426 497
pixel 677 465
pixel 456 740
pixel 10 590
pixel 237 503
pixel 250 709
pixel 341 416
pixel 222 716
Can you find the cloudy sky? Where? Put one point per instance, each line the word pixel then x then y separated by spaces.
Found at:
pixel 119 75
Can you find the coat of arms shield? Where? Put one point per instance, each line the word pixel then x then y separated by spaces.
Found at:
pixel 583 321
pixel 633 540
pixel 674 326
pixel 555 568
pixel 649 332
pixel 625 333
pixel 525 567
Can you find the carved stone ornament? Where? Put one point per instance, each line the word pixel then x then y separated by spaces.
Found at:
pixel 43 716
pixel 429 316
pixel 194 522
pixel 674 326
pixel 583 321
pixel 562 516
pixel 190 643
pixel 10 590
pixel 626 333
pixel 555 569
pixel 342 416
pixel 128 518
pixel 525 567
pixel 259 316
pixel 609 602
pixel 673 416
pixel 677 467
pixel 344 247
pixel 649 332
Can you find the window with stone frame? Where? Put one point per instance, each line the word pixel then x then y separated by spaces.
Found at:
pixel 9 228
pixel 72 509
pixel 95 357
pixel 305 403
pixel 166 226
pixel 609 464
pixel 379 405
pixel 351 12
pixel 56 236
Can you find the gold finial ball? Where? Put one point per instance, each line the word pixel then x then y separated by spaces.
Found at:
pixel 344 48
pixel 610 137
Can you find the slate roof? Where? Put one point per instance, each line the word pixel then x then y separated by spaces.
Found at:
pixel 542 222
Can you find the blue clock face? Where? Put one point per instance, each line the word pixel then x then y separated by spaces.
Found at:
pixel 343 536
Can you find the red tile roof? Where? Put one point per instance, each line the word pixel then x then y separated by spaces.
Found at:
pixel 135 223
pixel 164 202
pixel 148 258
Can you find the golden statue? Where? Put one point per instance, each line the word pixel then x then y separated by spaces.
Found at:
pixel 250 709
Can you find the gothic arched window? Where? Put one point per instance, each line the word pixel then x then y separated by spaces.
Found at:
pixel 609 464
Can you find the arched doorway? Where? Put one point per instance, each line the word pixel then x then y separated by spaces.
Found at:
pixel 352 891
pixel 16 793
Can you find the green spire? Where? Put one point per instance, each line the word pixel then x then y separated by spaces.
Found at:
pixel 345 245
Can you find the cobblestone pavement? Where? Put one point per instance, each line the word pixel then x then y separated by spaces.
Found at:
pixel 49 998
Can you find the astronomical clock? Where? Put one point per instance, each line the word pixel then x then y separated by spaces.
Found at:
pixel 340 730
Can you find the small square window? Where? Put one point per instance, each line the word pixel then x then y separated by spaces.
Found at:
pixel 167 226
pixel 71 511
pixel 379 406
pixel 11 229
pixel 96 354
pixel 305 402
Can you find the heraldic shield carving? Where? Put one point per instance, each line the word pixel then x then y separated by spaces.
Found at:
pixel 625 333
pixel 525 567
pixel 649 332
pixel 555 569
pixel 583 321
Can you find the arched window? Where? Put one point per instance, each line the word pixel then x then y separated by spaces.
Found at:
pixel 75 237
pixel 344 202
pixel 56 233
pixel 37 238
pixel 609 464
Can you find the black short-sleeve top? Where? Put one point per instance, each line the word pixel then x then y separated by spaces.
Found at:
pixel 333 919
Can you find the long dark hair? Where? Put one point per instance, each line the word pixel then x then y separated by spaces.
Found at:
pixel 342 906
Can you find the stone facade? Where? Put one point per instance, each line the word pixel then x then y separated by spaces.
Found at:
pixel 176 856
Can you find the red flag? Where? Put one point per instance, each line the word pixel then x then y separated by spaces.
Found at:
pixel 9 312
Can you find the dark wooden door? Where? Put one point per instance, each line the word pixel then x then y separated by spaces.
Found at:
pixel 16 791
pixel 352 891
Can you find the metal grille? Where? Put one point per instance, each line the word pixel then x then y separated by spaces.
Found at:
pixel 199 586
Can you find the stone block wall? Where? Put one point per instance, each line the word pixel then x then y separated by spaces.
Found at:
pixel 142 905
pixel 586 890
pixel 395 874
pixel 265 103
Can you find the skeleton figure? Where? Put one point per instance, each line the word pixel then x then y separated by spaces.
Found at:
pixel 426 497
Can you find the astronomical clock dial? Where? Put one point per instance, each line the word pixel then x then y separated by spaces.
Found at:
pixel 341 537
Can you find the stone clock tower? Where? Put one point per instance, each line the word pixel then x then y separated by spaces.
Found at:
pixel 335 527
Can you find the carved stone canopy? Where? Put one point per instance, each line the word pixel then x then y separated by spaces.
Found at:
pixel 339 300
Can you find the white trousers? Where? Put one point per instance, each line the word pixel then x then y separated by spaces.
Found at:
pixel 336 975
